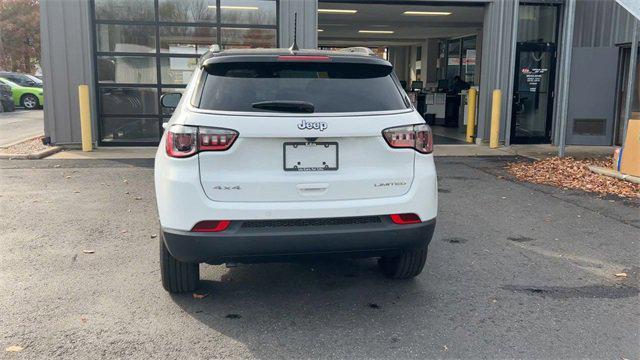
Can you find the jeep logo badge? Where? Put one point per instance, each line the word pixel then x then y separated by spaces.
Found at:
pixel 312 125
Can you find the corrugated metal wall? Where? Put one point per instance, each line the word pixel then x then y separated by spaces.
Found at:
pixel 66 63
pixel 307 11
pixel 498 46
pixel 601 24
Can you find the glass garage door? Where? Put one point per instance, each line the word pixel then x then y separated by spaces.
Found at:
pixel 144 48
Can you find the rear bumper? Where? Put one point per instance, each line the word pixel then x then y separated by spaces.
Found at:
pixel 246 244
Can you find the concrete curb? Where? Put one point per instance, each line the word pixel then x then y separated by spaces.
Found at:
pixel 33 156
pixel 614 174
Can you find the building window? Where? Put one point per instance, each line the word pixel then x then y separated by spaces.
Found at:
pixel 187 11
pixel 255 12
pixel 138 10
pixel 145 48
pixel 537 24
pixel 461 58
pixel 247 38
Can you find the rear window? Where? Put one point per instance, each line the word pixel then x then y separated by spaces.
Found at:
pixel 329 87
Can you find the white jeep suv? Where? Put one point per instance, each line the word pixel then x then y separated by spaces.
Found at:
pixel 273 155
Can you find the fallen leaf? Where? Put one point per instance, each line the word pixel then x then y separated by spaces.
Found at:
pixel 125 231
pixel 14 348
pixel 570 173
pixel 622 274
pixel 67 177
pixel 138 198
pixel 153 236
pixel 88 251
pixel 199 296
pixel 56 166
pixel 84 319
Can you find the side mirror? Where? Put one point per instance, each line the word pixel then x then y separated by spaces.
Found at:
pixel 170 100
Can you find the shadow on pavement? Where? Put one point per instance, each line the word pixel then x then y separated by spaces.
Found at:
pixel 307 309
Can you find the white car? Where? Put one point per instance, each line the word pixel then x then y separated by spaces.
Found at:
pixel 274 155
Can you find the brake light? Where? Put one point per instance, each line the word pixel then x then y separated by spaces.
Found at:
pixel 303 58
pixel 184 141
pixel 417 137
pixel 404 219
pixel 211 226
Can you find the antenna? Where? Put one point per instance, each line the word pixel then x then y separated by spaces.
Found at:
pixel 294 46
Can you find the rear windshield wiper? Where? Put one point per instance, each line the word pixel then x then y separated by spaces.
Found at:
pixel 285 106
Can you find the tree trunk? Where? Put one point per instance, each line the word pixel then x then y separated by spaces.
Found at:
pixel 27 63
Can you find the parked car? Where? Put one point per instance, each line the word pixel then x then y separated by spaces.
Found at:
pixel 28 97
pixel 25 80
pixel 274 155
pixel 6 99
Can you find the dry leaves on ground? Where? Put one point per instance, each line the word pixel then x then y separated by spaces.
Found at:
pixel 26 147
pixel 569 173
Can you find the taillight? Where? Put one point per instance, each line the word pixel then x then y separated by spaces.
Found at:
pixel 211 139
pixel 404 219
pixel 181 141
pixel 417 137
pixel 211 226
pixel 184 141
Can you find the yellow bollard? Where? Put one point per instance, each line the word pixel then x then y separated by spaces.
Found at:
pixel 471 114
pixel 85 117
pixel 494 139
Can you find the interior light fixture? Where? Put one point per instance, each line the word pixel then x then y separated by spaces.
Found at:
pixel 234 7
pixel 337 11
pixel 376 31
pixel 427 13
pixel 320 30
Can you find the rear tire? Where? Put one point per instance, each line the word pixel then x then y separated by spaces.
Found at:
pixel 177 276
pixel 407 265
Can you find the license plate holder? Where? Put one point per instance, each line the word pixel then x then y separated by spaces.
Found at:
pixel 310 156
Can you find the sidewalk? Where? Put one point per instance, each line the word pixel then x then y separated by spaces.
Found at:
pixel 529 151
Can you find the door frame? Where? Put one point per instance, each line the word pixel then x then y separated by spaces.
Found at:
pixel 543 47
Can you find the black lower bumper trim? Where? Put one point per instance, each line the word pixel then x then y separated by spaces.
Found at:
pixel 249 245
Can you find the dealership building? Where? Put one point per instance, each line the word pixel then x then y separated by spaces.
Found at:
pixel 565 68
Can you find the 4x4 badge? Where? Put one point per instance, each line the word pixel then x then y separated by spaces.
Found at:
pixel 312 125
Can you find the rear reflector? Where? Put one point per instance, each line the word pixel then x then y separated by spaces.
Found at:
pixel 303 58
pixel 403 219
pixel 211 226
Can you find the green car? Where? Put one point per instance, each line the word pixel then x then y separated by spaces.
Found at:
pixel 28 97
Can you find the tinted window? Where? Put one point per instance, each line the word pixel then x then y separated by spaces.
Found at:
pixel 330 87
pixel 21 80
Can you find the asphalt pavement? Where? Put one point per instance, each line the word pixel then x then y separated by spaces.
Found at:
pixel 514 271
pixel 20 125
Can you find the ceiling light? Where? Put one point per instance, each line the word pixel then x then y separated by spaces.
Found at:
pixel 337 11
pixel 375 31
pixel 320 30
pixel 427 13
pixel 233 7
